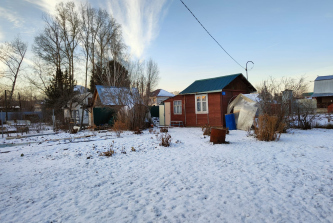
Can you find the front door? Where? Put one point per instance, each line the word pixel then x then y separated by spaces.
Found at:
pixel 167 107
pixel 161 114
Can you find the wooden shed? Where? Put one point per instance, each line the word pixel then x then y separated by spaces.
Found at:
pixel 323 91
pixel 108 100
pixel 205 101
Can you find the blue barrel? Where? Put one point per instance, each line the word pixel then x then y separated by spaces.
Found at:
pixel 230 121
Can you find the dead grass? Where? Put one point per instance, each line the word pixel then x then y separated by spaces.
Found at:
pixel 119 127
pixel 165 140
pixel 206 129
pixel 108 153
pixel 138 131
pixel 164 130
pixel 267 128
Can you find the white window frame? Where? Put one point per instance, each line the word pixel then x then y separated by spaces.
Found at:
pixel 181 107
pixel 201 102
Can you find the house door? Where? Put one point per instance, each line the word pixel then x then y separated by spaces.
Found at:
pixel 161 114
pixel 167 112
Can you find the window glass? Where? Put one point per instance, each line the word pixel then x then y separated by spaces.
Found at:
pixel 198 106
pixel 204 106
pixel 177 107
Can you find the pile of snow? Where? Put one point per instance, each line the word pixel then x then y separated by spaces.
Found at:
pixel 62 178
pixel 156 121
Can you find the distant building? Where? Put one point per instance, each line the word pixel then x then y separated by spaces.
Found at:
pixel 158 96
pixel 323 91
pixel 307 95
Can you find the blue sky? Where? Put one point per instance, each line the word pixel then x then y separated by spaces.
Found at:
pixel 282 38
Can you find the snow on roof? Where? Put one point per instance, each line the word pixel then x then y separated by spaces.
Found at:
pixel 161 93
pixel 164 93
pixel 253 97
pixel 110 95
pixel 80 88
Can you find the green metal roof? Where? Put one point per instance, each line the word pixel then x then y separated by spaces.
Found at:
pixel 215 84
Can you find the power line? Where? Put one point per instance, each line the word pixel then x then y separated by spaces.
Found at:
pixel 211 35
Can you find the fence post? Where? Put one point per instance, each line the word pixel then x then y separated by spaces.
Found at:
pixel 2 123
pixel 53 119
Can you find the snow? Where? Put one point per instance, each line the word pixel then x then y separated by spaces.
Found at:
pixel 253 97
pixel 164 93
pixel 110 95
pixel 192 181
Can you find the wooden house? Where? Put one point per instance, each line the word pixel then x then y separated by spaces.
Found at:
pixel 205 101
pixel 158 96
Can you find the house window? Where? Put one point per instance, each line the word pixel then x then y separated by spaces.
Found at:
pixel 177 107
pixel 76 116
pixel 201 104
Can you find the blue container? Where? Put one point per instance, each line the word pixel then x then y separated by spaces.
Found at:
pixel 230 121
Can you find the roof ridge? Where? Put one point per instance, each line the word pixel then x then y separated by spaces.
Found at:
pixel 218 77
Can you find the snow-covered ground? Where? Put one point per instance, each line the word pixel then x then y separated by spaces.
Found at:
pixel 63 179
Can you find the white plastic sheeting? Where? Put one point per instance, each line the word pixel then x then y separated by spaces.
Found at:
pixel 245 106
pixel 246 115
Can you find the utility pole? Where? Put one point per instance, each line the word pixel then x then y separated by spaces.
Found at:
pixel 247 77
pixel 19 96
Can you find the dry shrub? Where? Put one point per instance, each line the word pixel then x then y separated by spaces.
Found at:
pixel 152 131
pixel 164 130
pixel 267 128
pixel 206 129
pixel 74 131
pixel 108 153
pixel 165 140
pixel 138 131
pixel 119 127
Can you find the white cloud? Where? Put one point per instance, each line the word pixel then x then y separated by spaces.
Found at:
pixel 2 36
pixel 48 6
pixel 139 20
pixel 11 16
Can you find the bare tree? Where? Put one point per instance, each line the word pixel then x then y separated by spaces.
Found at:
pixel 104 38
pixel 69 22
pixel 117 48
pixel 12 55
pixel 48 44
pixel 152 77
pixel 87 37
pixel 278 99
pixel 40 76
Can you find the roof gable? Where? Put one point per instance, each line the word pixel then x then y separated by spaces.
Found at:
pixel 210 85
pixel 110 95
pixel 321 78
pixel 161 93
